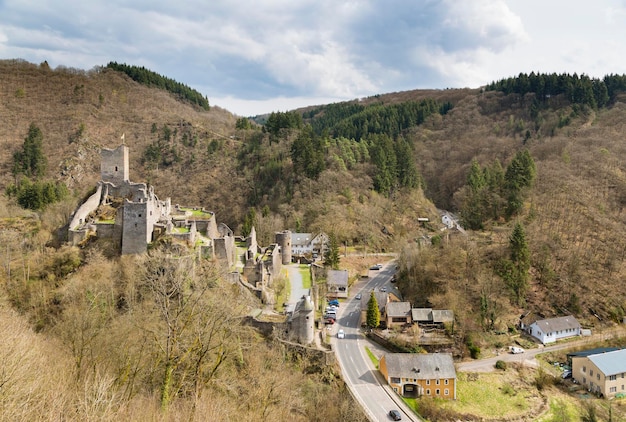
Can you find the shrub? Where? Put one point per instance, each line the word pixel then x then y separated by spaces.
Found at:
pixel 500 364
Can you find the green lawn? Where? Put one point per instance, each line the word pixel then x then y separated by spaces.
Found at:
pixel 305 272
pixel 197 213
pixel 492 395
pixel 372 356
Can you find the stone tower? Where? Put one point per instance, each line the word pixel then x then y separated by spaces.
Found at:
pixel 283 239
pixel 114 167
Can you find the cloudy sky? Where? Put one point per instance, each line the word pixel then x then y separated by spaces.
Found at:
pixel 258 56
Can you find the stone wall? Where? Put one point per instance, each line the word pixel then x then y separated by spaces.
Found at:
pixel 86 208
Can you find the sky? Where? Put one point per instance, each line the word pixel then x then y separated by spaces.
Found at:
pixel 257 56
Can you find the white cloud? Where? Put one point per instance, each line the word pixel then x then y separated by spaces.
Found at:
pixel 254 54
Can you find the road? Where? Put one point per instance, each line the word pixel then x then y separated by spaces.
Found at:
pixel 358 371
pixel 528 357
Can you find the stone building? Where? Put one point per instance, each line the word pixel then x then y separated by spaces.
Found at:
pixel 133 216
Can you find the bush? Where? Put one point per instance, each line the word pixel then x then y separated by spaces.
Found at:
pixel 500 364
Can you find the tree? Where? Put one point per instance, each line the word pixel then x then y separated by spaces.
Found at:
pixel 373 313
pixel 31 161
pixel 249 222
pixel 515 270
pixel 331 256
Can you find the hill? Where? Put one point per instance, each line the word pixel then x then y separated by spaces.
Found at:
pixel 363 171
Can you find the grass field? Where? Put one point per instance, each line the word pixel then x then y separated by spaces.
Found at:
pixel 305 272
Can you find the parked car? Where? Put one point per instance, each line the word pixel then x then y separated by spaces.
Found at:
pixel 516 350
pixel 329 321
pixel 341 334
pixel 566 374
pixel 376 267
pixel 395 415
pixel 358 296
pixel 383 289
pixel 333 302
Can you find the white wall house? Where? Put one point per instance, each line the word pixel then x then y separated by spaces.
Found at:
pixel 553 329
pixel 307 243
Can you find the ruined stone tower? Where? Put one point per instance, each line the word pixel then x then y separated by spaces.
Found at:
pixel 114 167
pixel 283 239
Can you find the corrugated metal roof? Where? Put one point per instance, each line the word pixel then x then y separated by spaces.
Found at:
pixel 420 365
pixel 589 352
pixel 610 363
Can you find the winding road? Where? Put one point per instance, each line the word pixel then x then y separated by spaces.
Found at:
pixel 359 373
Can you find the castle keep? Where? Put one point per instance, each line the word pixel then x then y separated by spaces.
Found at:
pixel 133 216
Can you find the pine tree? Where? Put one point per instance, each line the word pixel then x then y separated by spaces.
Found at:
pixel 331 256
pixel 520 259
pixel 373 313
pixel 31 161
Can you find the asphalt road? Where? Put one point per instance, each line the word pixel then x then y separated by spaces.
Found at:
pixel 358 371
pixel 528 357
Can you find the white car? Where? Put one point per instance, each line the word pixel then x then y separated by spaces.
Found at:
pixel 516 350
pixel 341 334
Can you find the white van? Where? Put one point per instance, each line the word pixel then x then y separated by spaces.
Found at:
pixel 516 350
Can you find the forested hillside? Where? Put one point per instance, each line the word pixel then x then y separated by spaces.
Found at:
pixel 532 165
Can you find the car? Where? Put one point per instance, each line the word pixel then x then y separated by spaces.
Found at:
pixel 329 321
pixel 334 302
pixel 376 267
pixel 358 296
pixel 516 350
pixel 383 289
pixel 395 415
pixel 566 374
pixel 341 334
pixel 394 279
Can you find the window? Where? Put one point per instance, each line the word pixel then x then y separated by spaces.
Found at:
pixel 437 382
pixel 427 382
pixel 446 392
pixel 428 391
pixel 598 376
pixel 437 392
pixel 591 372
pixel 445 382
pixel 584 380
pixel 395 380
pixel 612 377
pixel 584 368
pixel 613 389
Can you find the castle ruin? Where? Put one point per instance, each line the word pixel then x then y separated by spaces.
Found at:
pixel 133 216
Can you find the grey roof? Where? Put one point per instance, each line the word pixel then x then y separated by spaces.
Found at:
pixel 381 298
pixel 610 363
pixel 301 239
pixel 337 277
pixel 557 324
pixel 422 314
pixel 398 309
pixel 420 365
pixel 442 315
pixel 584 353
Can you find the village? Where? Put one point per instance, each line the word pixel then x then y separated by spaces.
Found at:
pixel 132 216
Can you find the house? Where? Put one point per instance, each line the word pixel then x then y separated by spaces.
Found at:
pixel 382 298
pixel 553 329
pixel 337 283
pixel 309 244
pixel 432 317
pixel 601 373
pixel 420 374
pixel 398 314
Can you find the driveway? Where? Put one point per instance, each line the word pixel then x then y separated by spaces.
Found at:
pixel 295 279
